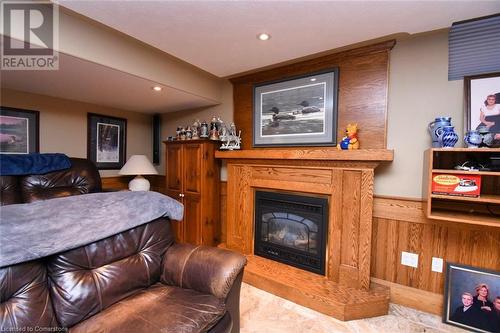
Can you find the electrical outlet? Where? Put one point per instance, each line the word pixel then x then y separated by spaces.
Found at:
pixel 409 259
pixel 437 265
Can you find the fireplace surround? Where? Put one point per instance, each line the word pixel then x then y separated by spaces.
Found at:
pixel 292 229
pixel 346 179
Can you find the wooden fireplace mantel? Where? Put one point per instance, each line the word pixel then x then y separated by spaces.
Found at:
pixel 321 154
pixel 346 179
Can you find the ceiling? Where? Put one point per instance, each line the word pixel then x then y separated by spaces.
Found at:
pixel 84 81
pixel 220 36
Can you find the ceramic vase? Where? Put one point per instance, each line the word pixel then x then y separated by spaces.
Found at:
pixel 448 138
pixel 473 139
pixel 436 129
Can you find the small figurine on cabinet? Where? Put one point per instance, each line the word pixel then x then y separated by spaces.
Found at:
pixel 195 128
pixel 182 135
pixel 214 132
pixel 350 141
pixel 204 130
pixel 231 140
pixel 196 136
pixel 189 133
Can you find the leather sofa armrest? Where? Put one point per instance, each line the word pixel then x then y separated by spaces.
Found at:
pixel 205 269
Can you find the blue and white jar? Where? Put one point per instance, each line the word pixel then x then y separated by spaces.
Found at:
pixel 436 129
pixel 448 139
pixel 473 139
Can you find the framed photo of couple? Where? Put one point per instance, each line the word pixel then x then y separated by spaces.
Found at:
pixel 472 298
pixel 482 94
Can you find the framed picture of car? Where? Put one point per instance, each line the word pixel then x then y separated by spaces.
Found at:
pixel 106 141
pixel 19 131
pixel 472 298
pixel 297 111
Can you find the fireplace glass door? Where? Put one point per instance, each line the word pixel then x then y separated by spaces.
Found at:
pixel 291 229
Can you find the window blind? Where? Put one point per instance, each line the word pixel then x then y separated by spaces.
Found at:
pixel 474 47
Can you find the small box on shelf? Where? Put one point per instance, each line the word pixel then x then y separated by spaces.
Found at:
pixel 456 184
pixel 454 193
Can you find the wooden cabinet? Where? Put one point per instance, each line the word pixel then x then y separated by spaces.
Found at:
pixel 193 178
pixel 481 210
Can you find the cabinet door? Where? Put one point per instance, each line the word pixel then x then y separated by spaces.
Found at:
pixel 192 156
pixel 174 168
pixel 177 226
pixel 192 219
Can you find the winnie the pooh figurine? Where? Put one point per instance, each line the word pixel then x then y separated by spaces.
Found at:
pixel 350 141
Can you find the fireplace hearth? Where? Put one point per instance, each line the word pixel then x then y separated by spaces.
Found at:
pixel 291 229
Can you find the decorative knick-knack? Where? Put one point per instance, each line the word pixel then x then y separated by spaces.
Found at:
pixel 350 141
pixel 448 138
pixel 473 139
pixel 436 129
pixel 194 129
pixel 214 132
pixel 204 130
pixel 231 141
pixel 223 132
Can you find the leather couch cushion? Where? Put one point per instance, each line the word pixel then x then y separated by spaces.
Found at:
pixel 83 177
pixel 89 279
pixel 24 298
pixel 159 308
pixel 9 190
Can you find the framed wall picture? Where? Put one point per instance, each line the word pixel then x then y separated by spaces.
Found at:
pixel 106 141
pixel 472 298
pixel 19 131
pixel 299 111
pixel 482 94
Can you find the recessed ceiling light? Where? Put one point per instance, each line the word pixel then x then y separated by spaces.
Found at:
pixel 263 36
pixel 313 79
pixel 157 88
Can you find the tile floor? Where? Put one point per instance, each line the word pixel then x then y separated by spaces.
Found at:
pixel 262 312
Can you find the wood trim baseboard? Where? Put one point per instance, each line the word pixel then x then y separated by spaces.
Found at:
pixel 412 297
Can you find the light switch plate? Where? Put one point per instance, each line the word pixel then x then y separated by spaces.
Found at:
pixel 437 265
pixel 409 259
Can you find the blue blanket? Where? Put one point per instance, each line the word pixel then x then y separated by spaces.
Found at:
pixel 39 229
pixel 32 164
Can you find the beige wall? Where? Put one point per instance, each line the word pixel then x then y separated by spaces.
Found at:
pixel 419 91
pixel 63 124
pixel 170 121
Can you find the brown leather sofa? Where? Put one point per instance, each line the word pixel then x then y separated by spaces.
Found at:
pixel 139 280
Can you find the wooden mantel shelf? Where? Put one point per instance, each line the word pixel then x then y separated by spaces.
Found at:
pixel 324 154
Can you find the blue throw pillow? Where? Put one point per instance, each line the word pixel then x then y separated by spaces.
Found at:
pixel 32 164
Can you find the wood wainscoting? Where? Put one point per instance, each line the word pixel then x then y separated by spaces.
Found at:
pixel 400 225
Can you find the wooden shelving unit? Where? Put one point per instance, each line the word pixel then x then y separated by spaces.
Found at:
pixel 482 210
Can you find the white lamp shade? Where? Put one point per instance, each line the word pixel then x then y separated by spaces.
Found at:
pixel 138 165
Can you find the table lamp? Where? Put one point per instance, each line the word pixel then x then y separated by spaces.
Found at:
pixel 138 165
